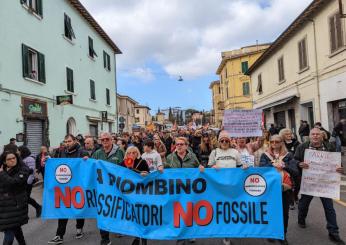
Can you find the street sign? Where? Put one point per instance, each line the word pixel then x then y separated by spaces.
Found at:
pixel 104 116
pixel 122 119
pixel 64 100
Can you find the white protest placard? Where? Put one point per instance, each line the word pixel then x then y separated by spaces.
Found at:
pixel 243 123
pixel 321 178
pixel 249 160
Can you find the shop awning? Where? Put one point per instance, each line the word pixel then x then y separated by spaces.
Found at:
pixel 276 103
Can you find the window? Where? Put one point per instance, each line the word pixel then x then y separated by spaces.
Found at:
pixel 246 88
pixel 303 59
pixel 226 72
pixel 108 97
pixel 219 90
pixel 92 52
pixel 336 33
pixel 34 6
pixel 137 111
pixel 244 67
pixel 259 84
pixel 227 96
pixel 33 64
pixel 69 78
pixel 92 90
pixel 281 69
pixel 69 33
pixel 106 61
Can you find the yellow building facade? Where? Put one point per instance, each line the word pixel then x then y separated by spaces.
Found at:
pixel 235 86
pixel 217 103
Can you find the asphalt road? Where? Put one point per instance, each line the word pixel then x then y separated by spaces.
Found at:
pixel 38 232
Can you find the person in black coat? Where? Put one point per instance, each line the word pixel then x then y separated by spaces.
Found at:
pixel 133 161
pixel 277 156
pixel 13 198
pixel 204 150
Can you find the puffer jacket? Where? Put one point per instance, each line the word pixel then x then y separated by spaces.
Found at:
pixel 13 197
pixel 116 155
pixel 190 161
pixel 30 163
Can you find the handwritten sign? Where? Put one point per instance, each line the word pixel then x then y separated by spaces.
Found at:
pixel 243 123
pixel 321 178
pixel 248 159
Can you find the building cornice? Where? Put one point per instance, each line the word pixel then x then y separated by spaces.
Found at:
pixel 88 17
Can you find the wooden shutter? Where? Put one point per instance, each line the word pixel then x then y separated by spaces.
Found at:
pixel 304 54
pixel 41 68
pixel 108 96
pixel 25 59
pixel 23 1
pixel 91 53
pixel 104 59
pixel 339 33
pixel 332 34
pixel 281 69
pixel 259 83
pixel 70 83
pixel 92 90
pixel 109 62
pixel 39 7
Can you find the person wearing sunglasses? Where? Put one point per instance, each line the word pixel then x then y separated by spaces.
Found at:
pixel 109 152
pixel 224 156
pixel 278 157
pixel 204 149
pixel 13 198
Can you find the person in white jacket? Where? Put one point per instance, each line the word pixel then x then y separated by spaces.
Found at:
pixel 152 157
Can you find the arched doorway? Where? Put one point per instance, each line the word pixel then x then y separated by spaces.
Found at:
pixel 71 127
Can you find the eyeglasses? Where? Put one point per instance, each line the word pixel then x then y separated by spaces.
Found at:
pixel 105 139
pixel 224 141
pixel 179 144
pixel 11 158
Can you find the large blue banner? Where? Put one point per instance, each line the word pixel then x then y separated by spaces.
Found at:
pixel 175 204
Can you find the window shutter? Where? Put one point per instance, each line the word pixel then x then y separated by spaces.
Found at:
pixel 104 59
pixel 41 68
pixel 39 7
pixel 23 1
pixel 332 34
pixel 92 90
pixel 339 34
pixel 25 59
pixel 108 96
pixel 305 55
pixel 91 53
pixel 300 55
pixel 109 62
pixel 69 74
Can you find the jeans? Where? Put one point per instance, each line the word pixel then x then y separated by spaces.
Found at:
pixel 62 223
pixel 10 234
pixel 329 211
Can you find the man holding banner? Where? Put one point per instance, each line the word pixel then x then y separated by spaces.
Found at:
pixel 111 153
pixel 72 150
pixel 317 144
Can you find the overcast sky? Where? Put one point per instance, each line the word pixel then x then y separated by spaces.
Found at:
pixel 163 39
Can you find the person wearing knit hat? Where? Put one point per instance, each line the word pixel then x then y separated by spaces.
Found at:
pixel 224 135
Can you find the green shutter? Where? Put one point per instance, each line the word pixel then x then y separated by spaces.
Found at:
pixel 109 62
pixel 39 7
pixel 41 68
pixel 25 59
pixel 104 59
pixel 69 74
pixel 23 1
pixel 244 67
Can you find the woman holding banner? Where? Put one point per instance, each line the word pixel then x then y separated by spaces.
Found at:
pixel 13 198
pixel 277 156
pixel 134 162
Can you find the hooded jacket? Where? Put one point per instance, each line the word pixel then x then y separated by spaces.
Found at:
pixel 13 197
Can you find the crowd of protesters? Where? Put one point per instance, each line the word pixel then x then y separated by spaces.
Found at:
pixel 146 152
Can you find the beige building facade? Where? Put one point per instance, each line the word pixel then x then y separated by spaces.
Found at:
pixel 217 113
pixel 126 112
pixel 235 84
pixel 302 75
pixel 142 116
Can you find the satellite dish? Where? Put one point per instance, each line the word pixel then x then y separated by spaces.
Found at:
pixel 180 79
